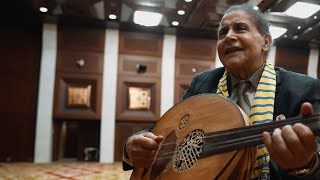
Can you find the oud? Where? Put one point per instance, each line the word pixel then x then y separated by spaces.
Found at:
pixel 208 137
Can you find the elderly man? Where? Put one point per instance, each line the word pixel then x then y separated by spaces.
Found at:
pixel 262 91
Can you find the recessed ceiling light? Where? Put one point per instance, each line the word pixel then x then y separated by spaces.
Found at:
pixel 285 36
pixel 295 37
pixel 175 23
pixel 302 10
pixel 256 8
pixel 146 18
pixel 112 16
pixel 43 9
pixel 277 31
pixel 299 27
pixel 315 17
pixel 181 12
pixel 188 0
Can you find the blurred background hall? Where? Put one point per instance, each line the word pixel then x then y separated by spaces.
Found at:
pixel 80 76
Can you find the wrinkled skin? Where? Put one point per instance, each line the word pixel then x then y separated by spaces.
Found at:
pixel 142 148
pixel 294 146
pixel 241 48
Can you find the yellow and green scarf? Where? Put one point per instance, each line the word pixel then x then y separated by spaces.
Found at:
pixel 261 112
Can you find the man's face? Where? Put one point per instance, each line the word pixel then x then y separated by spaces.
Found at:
pixel 241 48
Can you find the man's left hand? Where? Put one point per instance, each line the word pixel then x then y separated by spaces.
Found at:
pixel 292 147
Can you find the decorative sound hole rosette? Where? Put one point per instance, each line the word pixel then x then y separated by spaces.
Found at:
pixel 184 120
pixel 189 151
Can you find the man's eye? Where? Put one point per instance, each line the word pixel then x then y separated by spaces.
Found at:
pixel 240 28
pixel 222 34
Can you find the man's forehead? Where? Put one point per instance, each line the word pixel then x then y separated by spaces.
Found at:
pixel 235 18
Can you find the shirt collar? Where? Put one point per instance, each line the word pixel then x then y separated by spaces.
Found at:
pixel 254 78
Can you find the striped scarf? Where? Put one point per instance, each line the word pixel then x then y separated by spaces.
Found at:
pixel 261 112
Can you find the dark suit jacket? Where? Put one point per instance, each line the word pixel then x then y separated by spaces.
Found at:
pixel 292 90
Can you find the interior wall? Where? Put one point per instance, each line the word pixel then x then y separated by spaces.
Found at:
pixel 139 85
pixel 192 56
pixel 19 76
pixel 293 59
pixel 78 91
pixel 19 69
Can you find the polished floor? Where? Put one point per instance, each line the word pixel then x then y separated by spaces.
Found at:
pixel 65 170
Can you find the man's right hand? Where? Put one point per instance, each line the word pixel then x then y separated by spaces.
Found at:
pixel 142 148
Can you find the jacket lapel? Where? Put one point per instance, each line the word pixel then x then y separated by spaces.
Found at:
pixel 278 93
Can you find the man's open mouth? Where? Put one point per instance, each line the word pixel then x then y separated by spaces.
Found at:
pixel 231 50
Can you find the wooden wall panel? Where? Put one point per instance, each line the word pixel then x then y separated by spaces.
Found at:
pixel 19 76
pixel 76 46
pixel 138 89
pixel 189 68
pixel 19 93
pixel 75 43
pixel 180 86
pixel 129 65
pixel 185 70
pixel 81 39
pixel 69 61
pixel 191 48
pixel 123 112
pixel 137 49
pixel 293 59
pixel 17 136
pixel 192 56
pixel 66 80
pixel 140 44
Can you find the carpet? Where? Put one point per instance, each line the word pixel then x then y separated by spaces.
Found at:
pixel 63 170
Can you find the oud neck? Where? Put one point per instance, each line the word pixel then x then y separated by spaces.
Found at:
pixel 248 136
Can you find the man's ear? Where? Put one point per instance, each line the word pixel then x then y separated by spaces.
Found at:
pixel 267 42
